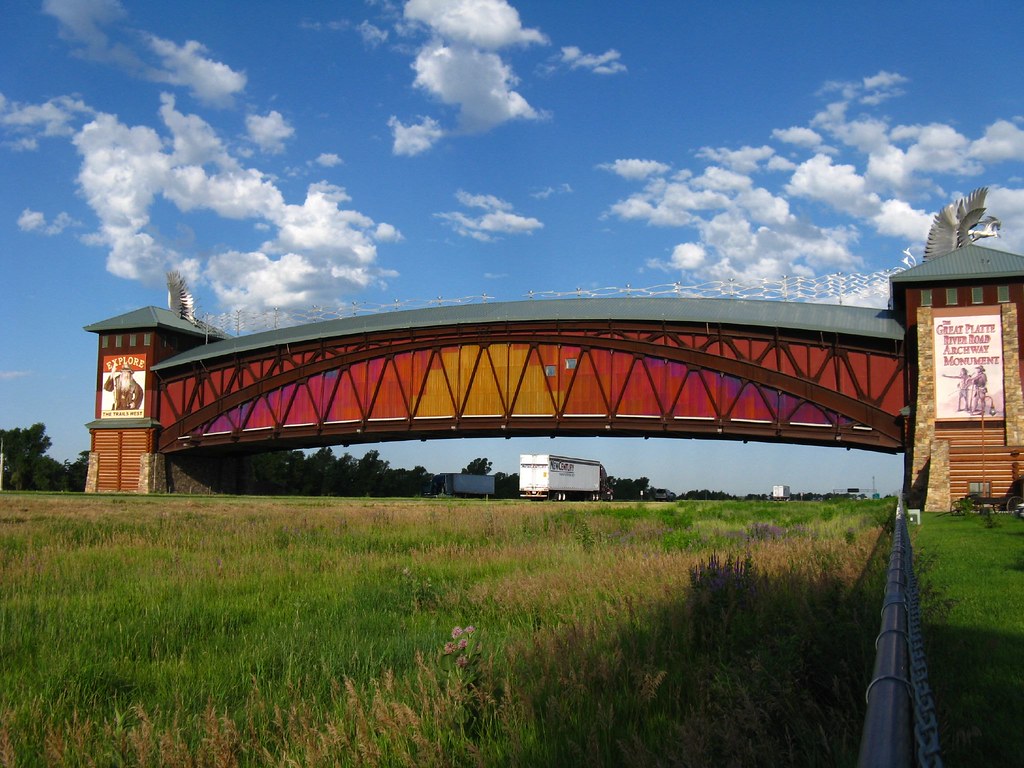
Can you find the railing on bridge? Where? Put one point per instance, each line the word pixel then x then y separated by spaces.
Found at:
pixel 870 289
pixel 900 723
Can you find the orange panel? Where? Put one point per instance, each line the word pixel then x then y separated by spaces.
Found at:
pixel 695 399
pixel 585 397
pixel 534 397
pixel 638 398
pixel 389 402
pixel 484 396
pixel 620 366
pixel 468 357
pixel 750 404
pixel 303 410
pixel 435 399
pixel 499 356
pixel 347 405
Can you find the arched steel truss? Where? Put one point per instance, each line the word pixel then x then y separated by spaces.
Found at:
pixel 533 378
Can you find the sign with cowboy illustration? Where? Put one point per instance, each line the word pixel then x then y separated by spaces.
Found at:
pixel 123 387
pixel 968 345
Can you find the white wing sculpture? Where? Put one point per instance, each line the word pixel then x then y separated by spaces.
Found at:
pixel 179 300
pixel 956 225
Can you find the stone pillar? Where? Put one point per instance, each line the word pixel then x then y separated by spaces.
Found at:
pixel 922 471
pixel 152 473
pixel 92 476
pixel 938 499
pixel 1012 395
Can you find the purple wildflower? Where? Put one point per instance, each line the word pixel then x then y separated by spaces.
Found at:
pixel 765 532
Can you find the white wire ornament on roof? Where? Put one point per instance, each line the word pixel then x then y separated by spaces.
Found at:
pixel 957 224
pixel 838 288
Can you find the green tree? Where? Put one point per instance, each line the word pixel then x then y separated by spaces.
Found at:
pixel 27 466
pixel 407 482
pixel 341 478
pixel 76 472
pixel 506 486
pixel 628 489
pixel 316 475
pixel 479 466
pixel 369 477
pixel 277 472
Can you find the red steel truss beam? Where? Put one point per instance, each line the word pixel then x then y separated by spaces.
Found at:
pixel 857 380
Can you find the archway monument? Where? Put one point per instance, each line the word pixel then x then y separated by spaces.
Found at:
pixel 180 406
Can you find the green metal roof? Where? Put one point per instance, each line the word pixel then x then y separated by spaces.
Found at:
pixel 151 317
pixel 966 263
pixel 143 423
pixel 829 318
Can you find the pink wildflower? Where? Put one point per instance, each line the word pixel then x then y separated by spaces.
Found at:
pixel 463 643
pixel 469 630
pixel 449 648
pixel 456 632
pixel 462 661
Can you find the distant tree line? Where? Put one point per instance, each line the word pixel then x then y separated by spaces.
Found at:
pixel 280 473
pixel 299 473
pixel 26 467
pixel 321 473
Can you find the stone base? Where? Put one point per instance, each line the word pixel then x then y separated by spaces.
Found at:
pixel 208 474
pixel 153 473
pixel 938 499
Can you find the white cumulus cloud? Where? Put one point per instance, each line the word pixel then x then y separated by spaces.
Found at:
pixel 688 256
pixel 413 139
pixel 35 221
pixel 329 160
pixel 269 132
pixel 1003 140
pixel 212 82
pixel 479 23
pixel 864 175
pixel 606 63
pixel 635 169
pixel 498 218
pixel 95 26
pixel 798 135
pixel 27 123
pixel 460 66
pixel 477 82
pixel 319 247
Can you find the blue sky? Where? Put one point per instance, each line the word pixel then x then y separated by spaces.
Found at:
pixel 289 155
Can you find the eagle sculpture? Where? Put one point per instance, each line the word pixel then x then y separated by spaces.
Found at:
pixel 179 300
pixel 960 224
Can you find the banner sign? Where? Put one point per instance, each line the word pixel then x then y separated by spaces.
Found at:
pixel 968 346
pixel 123 387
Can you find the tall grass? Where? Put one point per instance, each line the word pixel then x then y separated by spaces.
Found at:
pixel 210 631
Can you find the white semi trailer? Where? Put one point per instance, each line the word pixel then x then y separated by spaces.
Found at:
pixel 561 478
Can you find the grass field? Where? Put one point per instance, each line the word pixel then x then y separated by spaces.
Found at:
pixel 256 631
pixel 972 573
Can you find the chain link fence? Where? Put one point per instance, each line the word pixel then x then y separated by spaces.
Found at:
pixel 900 727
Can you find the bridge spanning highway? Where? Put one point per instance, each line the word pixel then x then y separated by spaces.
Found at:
pixel 670 367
